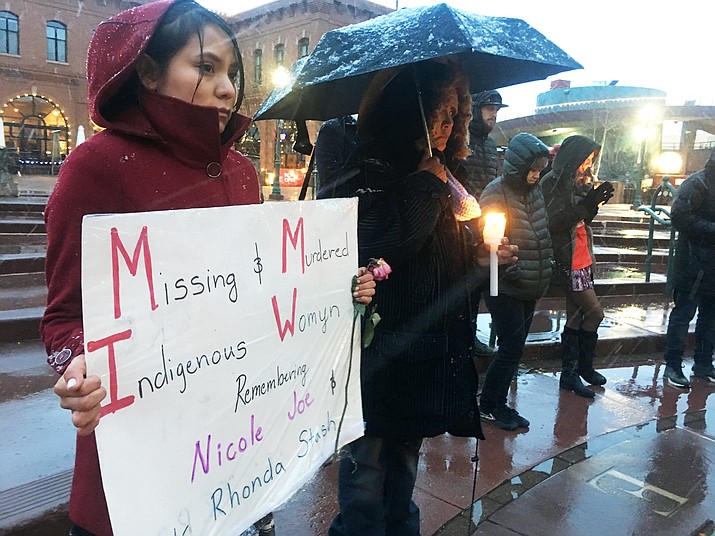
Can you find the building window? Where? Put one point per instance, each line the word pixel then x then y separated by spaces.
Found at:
pixel 9 42
pixel 258 66
pixel 56 41
pixel 280 54
pixel 303 47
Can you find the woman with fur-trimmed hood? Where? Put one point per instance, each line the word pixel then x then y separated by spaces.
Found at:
pixel 417 376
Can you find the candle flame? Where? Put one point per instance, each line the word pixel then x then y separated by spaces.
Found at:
pixel 494 225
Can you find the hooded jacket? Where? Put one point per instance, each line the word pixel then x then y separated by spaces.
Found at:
pixel 558 186
pixel 693 215
pixel 156 153
pixel 527 221
pixel 479 168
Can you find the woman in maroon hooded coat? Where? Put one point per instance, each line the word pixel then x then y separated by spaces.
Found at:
pixel 165 83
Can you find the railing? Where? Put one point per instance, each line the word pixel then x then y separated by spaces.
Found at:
pixel 661 215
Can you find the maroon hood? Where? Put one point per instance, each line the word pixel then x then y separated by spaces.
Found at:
pixel 113 53
pixel 112 83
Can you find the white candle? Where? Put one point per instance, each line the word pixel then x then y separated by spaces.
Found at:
pixel 494 224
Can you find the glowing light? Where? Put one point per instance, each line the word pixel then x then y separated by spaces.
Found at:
pixel 640 132
pixel 280 77
pixel 494 225
pixel 670 162
pixel 648 113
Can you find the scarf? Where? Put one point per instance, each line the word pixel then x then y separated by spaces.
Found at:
pixel 464 205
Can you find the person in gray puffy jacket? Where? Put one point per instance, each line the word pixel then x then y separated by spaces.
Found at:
pixel 517 194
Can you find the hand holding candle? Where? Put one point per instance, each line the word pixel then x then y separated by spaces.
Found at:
pixel 494 225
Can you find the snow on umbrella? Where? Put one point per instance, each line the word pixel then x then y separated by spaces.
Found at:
pixel 494 52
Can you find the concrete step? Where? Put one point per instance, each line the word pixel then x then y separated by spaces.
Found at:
pixel 18 291
pixel 20 263
pixel 37 508
pixel 23 280
pixel 26 225
pixel 20 324
pixel 22 239
pixel 615 254
pixel 634 242
pixel 632 325
pixel 34 204
pixel 22 303
pixel 15 249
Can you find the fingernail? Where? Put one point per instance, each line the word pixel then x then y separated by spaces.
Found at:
pixel 71 383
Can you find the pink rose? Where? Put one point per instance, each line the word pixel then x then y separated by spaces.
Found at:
pixel 379 269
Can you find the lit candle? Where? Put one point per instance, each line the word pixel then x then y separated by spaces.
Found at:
pixel 494 224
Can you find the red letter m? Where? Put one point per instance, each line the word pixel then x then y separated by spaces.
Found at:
pixel 132 264
pixel 293 237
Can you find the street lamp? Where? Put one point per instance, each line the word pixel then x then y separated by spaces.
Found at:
pixel 280 79
pixel 647 114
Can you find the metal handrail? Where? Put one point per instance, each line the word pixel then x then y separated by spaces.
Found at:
pixel 656 212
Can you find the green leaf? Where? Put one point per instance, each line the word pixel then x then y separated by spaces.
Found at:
pixel 369 332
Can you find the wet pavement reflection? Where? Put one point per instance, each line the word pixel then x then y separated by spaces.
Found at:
pixel 637 459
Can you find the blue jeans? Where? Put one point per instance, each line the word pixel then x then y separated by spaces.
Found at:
pixel 376 481
pixel 511 319
pixel 678 323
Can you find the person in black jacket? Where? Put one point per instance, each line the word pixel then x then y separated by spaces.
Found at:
pixel 335 143
pixel 417 376
pixel 693 215
pixel 517 194
pixel 572 203
pixel 481 167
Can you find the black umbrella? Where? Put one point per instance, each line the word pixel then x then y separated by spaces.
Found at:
pixel 494 52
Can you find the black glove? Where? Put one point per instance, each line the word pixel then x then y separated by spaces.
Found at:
pixel 596 196
pixel 604 192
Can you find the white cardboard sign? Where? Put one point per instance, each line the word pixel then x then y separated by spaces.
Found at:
pixel 223 338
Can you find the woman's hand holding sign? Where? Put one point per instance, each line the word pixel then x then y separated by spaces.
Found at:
pixel 365 288
pixel 82 395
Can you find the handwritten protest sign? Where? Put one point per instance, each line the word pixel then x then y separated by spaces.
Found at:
pixel 223 338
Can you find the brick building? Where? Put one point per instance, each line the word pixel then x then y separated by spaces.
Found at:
pixel 277 34
pixel 43 88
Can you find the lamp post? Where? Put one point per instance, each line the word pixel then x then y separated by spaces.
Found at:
pixel 280 78
pixel 647 114
pixel 637 197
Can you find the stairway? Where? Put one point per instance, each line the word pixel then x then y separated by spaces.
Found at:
pixel 23 244
pixel 38 452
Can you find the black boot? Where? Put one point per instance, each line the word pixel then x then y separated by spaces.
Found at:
pixel 569 357
pixel 587 347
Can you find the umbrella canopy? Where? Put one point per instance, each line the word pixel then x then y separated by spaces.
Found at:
pixel 494 52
